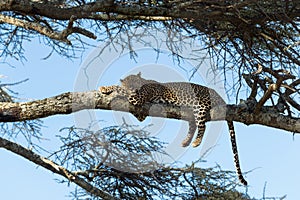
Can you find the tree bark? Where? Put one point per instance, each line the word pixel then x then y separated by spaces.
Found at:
pixel 180 9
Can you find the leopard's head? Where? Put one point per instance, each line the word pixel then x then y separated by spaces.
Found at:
pixel 134 81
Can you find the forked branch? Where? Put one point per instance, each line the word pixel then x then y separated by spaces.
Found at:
pixel 269 87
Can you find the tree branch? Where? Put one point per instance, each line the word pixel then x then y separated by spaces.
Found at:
pixel 43 30
pixel 67 103
pixel 176 9
pixel 55 168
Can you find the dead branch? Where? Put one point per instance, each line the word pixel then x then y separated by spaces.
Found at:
pixel 281 76
pixel 291 89
pixel 55 168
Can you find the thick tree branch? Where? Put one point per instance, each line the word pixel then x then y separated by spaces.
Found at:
pixel 71 102
pixel 55 168
pixel 176 9
pixel 51 11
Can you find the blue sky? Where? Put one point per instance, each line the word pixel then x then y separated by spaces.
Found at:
pixel 271 155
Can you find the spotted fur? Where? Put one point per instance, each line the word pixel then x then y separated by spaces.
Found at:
pixel 197 97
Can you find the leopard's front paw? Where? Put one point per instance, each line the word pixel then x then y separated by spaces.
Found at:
pixel 106 89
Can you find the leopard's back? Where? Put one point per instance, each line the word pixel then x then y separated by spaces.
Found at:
pixel 188 94
pixel 177 93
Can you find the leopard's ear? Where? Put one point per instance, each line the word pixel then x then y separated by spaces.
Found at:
pixel 139 74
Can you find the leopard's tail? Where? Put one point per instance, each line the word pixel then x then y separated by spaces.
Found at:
pixel 235 153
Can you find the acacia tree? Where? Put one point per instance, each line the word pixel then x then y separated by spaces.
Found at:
pixel 258 41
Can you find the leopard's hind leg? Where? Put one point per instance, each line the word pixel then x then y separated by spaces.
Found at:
pixel 192 129
pixel 200 112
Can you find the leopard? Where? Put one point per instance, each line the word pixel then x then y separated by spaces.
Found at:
pixel 200 99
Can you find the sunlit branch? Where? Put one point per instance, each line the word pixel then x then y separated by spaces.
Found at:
pixel 68 103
